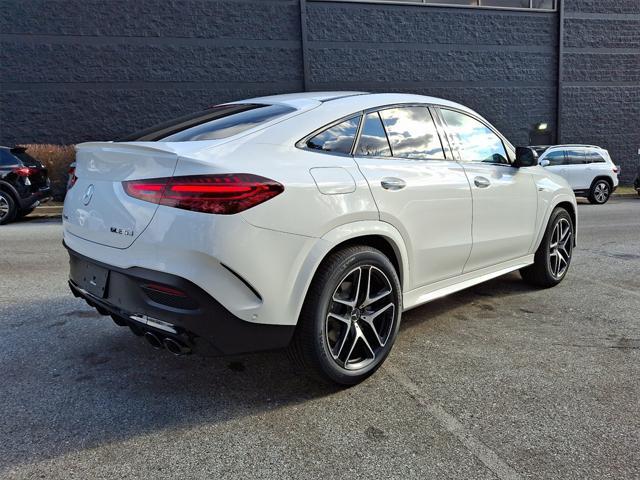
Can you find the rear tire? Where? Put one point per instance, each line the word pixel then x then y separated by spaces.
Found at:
pixel 350 317
pixel 8 208
pixel 600 192
pixel 553 256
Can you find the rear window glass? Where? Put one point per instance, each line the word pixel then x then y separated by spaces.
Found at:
pixel 336 139
pixel 213 124
pixel 6 158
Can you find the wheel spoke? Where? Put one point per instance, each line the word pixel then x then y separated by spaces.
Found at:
pixel 369 320
pixel 343 342
pixel 359 320
pixel 368 300
pixel 338 317
pixel 352 302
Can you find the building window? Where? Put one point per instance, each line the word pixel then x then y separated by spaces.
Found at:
pixel 509 4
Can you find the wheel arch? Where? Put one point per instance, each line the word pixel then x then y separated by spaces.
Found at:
pixel 10 189
pixel 564 200
pixel 607 178
pixel 571 210
pixel 376 234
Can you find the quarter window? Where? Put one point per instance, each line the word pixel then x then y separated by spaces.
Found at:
pixel 373 140
pixel 412 133
pixel 595 157
pixel 475 141
pixel 336 139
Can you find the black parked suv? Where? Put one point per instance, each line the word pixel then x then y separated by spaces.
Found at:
pixel 24 184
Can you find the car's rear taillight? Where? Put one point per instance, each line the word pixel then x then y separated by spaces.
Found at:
pixel 223 194
pixel 25 171
pixel 72 177
pixel 616 169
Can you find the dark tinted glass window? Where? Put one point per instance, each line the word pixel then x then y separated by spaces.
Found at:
pixel 475 141
pixel 217 122
pixel 555 157
pixel 412 133
pixel 575 157
pixel 6 158
pixel 373 140
pixel 230 125
pixel 338 139
pixel 594 157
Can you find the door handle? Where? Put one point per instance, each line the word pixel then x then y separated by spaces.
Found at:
pixel 481 182
pixel 391 183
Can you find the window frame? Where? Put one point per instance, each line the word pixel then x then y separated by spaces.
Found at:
pixel 450 153
pixel 506 144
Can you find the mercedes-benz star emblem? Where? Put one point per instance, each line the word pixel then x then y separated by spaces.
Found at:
pixel 88 195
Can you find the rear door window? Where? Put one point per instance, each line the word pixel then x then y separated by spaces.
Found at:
pixel 412 133
pixel 475 141
pixel 576 157
pixel 336 139
pixel 373 139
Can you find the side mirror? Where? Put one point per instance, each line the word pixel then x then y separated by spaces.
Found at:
pixel 525 157
pixel 545 163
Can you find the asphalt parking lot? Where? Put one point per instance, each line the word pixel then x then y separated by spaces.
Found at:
pixel 499 381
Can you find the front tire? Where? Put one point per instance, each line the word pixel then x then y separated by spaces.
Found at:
pixel 600 192
pixel 350 317
pixel 553 256
pixel 8 208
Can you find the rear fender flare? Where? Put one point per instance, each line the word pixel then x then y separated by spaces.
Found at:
pixel 342 234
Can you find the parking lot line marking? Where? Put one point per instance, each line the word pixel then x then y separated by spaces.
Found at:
pixel 483 453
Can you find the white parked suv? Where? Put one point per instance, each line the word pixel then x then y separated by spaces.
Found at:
pixel 588 169
pixel 307 220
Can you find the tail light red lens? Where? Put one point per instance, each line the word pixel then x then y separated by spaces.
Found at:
pixel 72 178
pixel 616 169
pixel 25 171
pixel 223 194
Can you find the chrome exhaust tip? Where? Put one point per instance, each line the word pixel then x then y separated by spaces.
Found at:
pixel 175 347
pixel 153 340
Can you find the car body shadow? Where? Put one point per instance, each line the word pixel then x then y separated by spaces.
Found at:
pixel 73 380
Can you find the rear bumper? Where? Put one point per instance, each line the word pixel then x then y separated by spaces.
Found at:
pixel 36 198
pixel 194 318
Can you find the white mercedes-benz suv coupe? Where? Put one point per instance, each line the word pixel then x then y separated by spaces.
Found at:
pixel 309 221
